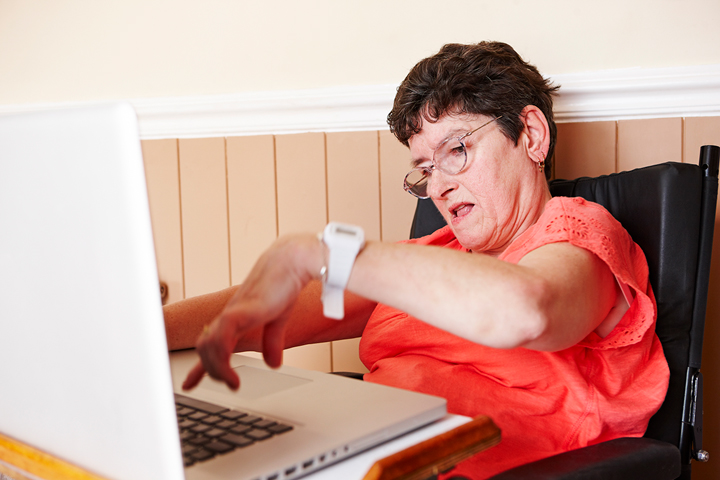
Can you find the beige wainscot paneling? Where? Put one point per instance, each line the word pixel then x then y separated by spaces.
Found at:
pixel 353 197
pixel 706 131
pixel 302 207
pixel 161 172
pixel 585 149
pixel 203 190
pixel 301 189
pixel 252 206
pixel 649 141
pixel 397 206
pixel 699 131
pixel 353 180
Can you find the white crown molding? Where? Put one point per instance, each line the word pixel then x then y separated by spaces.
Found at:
pixel 594 96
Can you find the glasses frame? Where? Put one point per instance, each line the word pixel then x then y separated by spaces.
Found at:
pixel 429 169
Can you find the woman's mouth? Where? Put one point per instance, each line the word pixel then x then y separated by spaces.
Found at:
pixel 461 210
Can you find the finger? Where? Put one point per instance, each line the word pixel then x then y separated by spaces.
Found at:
pixel 215 348
pixel 194 377
pixel 230 377
pixel 273 343
pixel 219 368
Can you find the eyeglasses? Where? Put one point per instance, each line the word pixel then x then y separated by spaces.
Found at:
pixel 450 157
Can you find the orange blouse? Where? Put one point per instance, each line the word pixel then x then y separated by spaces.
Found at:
pixel 544 402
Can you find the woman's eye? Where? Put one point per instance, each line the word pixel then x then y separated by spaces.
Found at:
pixel 452 148
pixel 457 150
pixel 425 167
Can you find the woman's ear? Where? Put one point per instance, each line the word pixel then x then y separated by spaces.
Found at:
pixel 537 133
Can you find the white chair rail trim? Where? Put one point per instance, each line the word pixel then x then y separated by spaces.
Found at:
pixel 639 93
pixel 594 96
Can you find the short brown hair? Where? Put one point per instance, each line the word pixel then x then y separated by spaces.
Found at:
pixel 488 78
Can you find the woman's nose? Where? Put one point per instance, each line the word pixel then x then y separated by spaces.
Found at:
pixel 441 184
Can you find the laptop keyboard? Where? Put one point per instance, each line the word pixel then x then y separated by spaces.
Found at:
pixel 207 430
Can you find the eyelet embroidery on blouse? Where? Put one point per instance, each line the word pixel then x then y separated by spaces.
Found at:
pixel 587 229
pixel 568 224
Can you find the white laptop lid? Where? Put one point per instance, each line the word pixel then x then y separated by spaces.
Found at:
pixel 80 306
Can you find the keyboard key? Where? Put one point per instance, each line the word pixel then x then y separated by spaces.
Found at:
pixel 200 428
pixel 217 446
pixel 264 424
pixel 186 424
pixel 199 440
pixel 202 455
pixel 199 404
pixel 211 420
pixel 197 416
pixel 226 424
pixel 249 419
pixel 184 411
pixel 237 440
pixel 240 429
pixel 188 449
pixel 257 434
pixel 233 414
pixel 280 428
pixel 215 432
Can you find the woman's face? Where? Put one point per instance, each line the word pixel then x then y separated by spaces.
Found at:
pixel 495 197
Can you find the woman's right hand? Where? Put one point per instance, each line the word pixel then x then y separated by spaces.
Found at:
pixel 265 301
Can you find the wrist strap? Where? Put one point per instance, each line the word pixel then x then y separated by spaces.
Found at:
pixel 344 242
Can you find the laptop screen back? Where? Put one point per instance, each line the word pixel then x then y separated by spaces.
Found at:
pixel 83 359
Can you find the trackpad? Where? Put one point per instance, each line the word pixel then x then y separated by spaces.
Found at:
pixel 256 383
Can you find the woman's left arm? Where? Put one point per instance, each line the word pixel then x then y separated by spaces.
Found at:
pixel 553 298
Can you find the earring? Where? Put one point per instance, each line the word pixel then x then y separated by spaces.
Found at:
pixel 541 163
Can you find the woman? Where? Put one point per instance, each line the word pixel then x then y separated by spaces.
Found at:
pixel 536 312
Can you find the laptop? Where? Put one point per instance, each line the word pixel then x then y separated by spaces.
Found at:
pixel 84 367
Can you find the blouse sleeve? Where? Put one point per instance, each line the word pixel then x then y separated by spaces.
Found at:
pixel 588 225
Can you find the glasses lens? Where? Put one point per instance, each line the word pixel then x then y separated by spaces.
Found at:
pixel 450 157
pixel 416 182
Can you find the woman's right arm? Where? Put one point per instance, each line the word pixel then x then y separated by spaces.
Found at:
pixel 186 319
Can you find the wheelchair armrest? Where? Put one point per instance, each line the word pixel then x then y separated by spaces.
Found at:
pixel 619 459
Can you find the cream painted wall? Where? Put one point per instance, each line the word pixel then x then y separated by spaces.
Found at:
pixel 83 50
